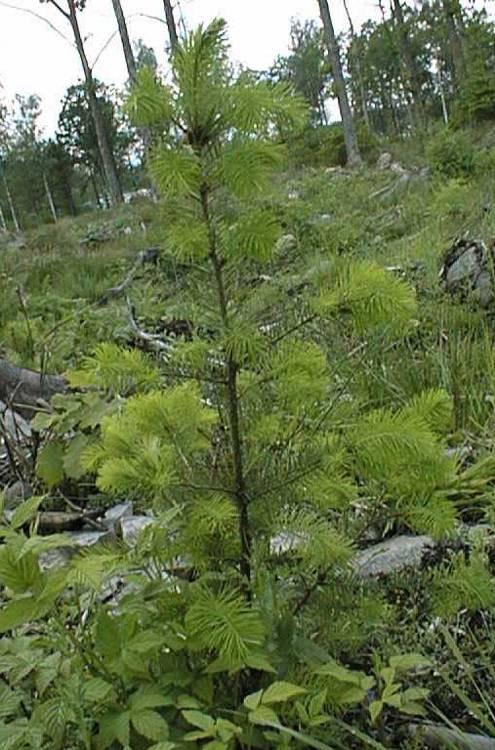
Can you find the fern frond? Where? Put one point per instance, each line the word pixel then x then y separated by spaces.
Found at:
pixel 383 439
pixel 253 236
pixel 154 435
pixel 201 70
pixel 299 369
pixel 116 369
pixel 176 172
pixel 147 473
pixel 371 296
pixel 187 239
pixel 245 345
pixel 246 166
pixel 434 407
pixel 435 515
pixel 149 103
pixel 225 623
pixel 463 585
pixel 313 539
pixel 256 106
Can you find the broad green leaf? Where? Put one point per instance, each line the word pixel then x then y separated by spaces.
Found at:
pixel 148 697
pixel 46 672
pixel 17 613
pixel 114 726
pixel 50 464
pixel 253 701
pixel 263 715
pixel 107 635
pixel 281 692
pixel 145 642
pixel 97 690
pixel 20 575
pixel 9 701
pixel 188 701
pixel 25 512
pixel 409 661
pixel 260 663
pixel 413 709
pixel 376 708
pixel 199 719
pixel 415 694
pixel 72 465
pixel 340 673
pixel 150 725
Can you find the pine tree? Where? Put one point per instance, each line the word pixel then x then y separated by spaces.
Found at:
pixel 258 459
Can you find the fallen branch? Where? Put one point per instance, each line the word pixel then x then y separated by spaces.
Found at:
pixel 154 341
pixel 26 391
pixel 150 255
pixel 438 736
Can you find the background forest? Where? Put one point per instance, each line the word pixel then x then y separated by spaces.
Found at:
pixel 247 393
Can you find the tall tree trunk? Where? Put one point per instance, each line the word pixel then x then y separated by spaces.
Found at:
pixel 10 201
pixel 455 27
pixel 351 143
pixel 126 42
pixel 359 71
pixel 103 144
pixel 171 25
pixel 49 197
pixel 94 185
pixel 441 88
pixel 107 156
pixel 3 223
pixel 412 82
pixel 71 203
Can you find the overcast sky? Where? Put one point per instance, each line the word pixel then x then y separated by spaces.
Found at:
pixel 34 59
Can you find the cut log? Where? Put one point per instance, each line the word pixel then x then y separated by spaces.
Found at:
pixel 437 736
pixel 26 391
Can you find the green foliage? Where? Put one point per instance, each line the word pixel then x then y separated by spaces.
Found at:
pixel 451 154
pixel 324 146
pixel 463 584
pixel 305 415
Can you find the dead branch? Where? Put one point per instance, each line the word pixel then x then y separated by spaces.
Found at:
pixel 155 342
pixel 150 255
pixel 26 391
pixel 437 736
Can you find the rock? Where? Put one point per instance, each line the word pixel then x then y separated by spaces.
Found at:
pixel 322 219
pixel 286 244
pixel 88 538
pixel 131 527
pixel 399 169
pixel 392 556
pixel 57 558
pixel 284 543
pixel 16 242
pixel 114 516
pixel 466 270
pixel 16 494
pixel 384 161
pixel 438 736
pixel 142 193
